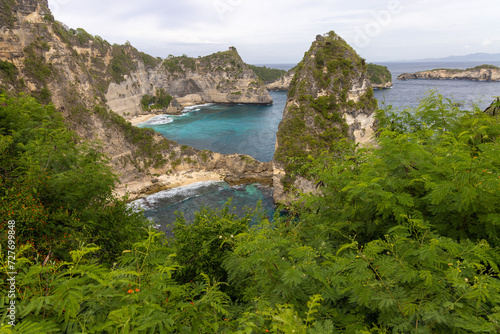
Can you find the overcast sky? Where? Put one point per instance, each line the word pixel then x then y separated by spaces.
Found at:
pixel 280 31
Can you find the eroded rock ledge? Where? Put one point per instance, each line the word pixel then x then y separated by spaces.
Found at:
pixel 479 73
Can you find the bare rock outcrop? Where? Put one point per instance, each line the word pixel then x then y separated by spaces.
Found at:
pixel 222 77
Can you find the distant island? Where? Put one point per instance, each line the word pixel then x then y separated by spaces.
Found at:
pixel 478 73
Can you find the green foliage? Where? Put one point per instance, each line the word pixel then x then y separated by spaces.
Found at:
pixel 439 165
pixel 201 245
pixel 7 17
pixel 45 95
pixel 188 63
pixel 267 74
pixel 159 101
pixel 385 243
pixel 149 151
pixel 8 70
pixel 400 238
pixel 82 36
pixel 486 67
pixel 172 65
pixel 137 296
pixel 378 74
pixel 149 61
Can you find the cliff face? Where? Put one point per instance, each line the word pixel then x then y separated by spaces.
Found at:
pixel 329 99
pixel 479 73
pixel 222 77
pixel 282 83
pixel 77 72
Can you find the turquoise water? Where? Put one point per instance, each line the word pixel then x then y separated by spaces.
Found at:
pixel 244 129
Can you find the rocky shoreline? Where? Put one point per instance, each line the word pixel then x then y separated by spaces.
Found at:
pixel 386 85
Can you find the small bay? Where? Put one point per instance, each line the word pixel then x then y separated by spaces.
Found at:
pixel 243 129
pixel 251 129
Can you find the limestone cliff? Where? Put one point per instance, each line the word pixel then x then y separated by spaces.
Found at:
pixel 329 99
pixel 77 72
pixel 478 73
pixel 379 77
pixel 282 83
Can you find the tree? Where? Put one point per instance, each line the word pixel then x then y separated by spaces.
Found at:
pixel 58 189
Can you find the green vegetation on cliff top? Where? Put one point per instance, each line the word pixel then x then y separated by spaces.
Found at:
pixel 479 67
pixel 228 61
pixel 316 125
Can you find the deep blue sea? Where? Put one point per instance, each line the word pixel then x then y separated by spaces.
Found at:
pixel 251 130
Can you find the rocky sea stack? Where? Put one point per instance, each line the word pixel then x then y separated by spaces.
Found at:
pixel 330 99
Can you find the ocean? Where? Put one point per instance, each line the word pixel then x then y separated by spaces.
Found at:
pixel 408 93
pixel 252 130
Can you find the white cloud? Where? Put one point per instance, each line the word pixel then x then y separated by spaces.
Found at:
pixel 282 30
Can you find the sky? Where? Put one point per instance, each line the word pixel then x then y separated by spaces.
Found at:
pixel 280 31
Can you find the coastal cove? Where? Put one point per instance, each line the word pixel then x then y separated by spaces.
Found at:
pixel 251 129
pixel 159 193
pixel 222 128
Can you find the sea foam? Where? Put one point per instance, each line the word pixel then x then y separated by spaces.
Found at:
pixel 158 120
pixel 151 202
